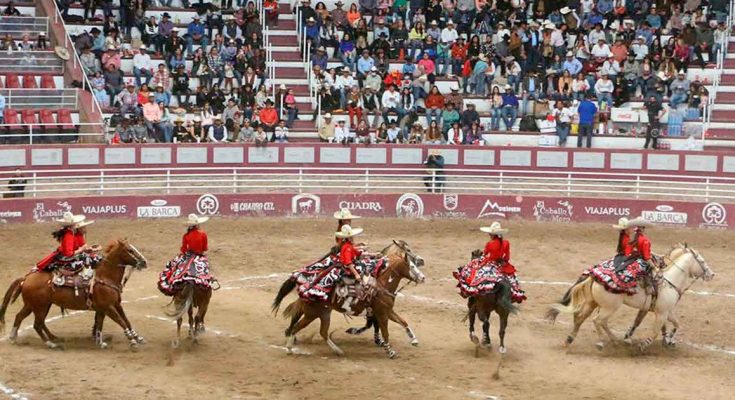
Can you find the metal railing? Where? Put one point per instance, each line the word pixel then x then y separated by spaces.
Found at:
pixel 374 180
pixel 269 62
pixel 33 62
pixel 41 98
pixel 77 63
pixel 720 65
pixel 23 25
pixel 31 133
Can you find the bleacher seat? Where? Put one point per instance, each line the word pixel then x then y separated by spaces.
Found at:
pixel 12 124
pixel 47 82
pixel 28 116
pixel 12 81
pixel 65 121
pixel 46 118
pixel 29 81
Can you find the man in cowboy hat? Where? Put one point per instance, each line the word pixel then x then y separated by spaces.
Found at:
pixel 434 181
pixel 339 15
pixel 679 89
pixel 217 133
pixel 142 66
pixel 195 33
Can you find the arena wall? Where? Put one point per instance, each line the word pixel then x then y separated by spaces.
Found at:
pixel 407 205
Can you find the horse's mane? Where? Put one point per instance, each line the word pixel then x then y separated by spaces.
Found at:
pixel 112 247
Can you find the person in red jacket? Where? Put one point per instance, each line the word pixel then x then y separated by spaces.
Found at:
pixel 497 252
pixel 348 255
pixel 640 247
pixel 66 255
pixel 192 264
pixel 269 118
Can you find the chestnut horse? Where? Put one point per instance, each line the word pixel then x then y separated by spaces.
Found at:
pixel 402 263
pixel 498 300
pixel 104 295
pixel 184 301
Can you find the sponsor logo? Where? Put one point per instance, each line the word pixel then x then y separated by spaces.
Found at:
pixel 159 209
pixel 451 201
pixel 254 207
pixel 106 209
pixel 665 214
pixel 207 204
pixel 493 209
pixel 362 205
pixel 714 215
pixel 11 214
pixel 560 211
pixel 305 204
pixel 611 211
pixel 410 205
pixel 41 213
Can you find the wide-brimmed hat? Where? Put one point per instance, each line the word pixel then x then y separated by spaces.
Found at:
pixel 348 232
pixel 454 87
pixel 62 53
pixel 565 10
pixel 623 223
pixel 494 229
pixel 310 19
pixel 69 219
pixel 327 115
pixel 639 222
pixel 83 224
pixel 194 219
pixel 345 213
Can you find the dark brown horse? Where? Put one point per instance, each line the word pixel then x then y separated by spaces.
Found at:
pixel 189 297
pixel 498 300
pixel 402 264
pixel 104 295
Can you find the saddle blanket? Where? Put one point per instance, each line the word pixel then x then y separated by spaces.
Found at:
pixel 479 277
pixel 620 281
pixel 316 281
pixel 184 268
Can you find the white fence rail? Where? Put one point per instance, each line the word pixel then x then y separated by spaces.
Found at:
pixel 54 183
pixel 41 98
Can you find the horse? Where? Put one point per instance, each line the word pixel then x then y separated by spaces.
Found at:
pixel 587 295
pixel 498 300
pixel 185 300
pixel 104 296
pixel 402 263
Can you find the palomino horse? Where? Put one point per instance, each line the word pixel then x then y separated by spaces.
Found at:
pixel 402 263
pixel 104 295
pixel 588 295
pixel 498 300
pixel 185 300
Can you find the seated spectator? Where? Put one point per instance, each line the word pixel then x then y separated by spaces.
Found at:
pixel 454 134
pixel 260 137
pixel 183 134
pixel 280 135
pixel 327 128
pixel 217 133
pixel 472 134
pixel 152 114
pixel 510 108
pixel 342 133
pixel 363 133
pixel 679 89
pixel 246 133
pixel 393 134
pixel 269 117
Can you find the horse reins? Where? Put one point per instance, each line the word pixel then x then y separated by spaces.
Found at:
pixel 673 262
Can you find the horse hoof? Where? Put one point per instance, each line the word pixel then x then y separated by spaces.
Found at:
pixel 628 341
pixel 474 339
pixel 103 345
pixel 600 345
pixel 415 343
pixel 392 354
pixel 53 346
pixel 140 340
pixel 352 331
pixel 502 350
pixel 134 346
pixel 485 342
pixel 175 344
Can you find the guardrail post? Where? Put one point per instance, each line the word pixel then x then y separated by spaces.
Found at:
pixel 569 185
pixel 102 182
pixel 638 187
pixel 234 180
pixel 500 182
pixel 433 181
pixel 301 178
pixel 35 176
pixel 367 181
pixel 30 133
pixel 168 181
pixel 706 191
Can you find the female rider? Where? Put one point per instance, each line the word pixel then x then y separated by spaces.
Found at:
pixel 66 255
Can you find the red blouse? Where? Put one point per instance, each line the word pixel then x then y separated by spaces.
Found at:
pixel 348 253
pixel 67 244
pixel 625 244
pixel 194 241
pixel 79 240
pixel 496 250
pixel 642 247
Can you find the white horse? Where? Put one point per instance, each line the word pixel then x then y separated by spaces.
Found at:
pixel 588 295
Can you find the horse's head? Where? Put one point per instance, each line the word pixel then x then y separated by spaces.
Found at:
pixel 697 266
pixel 477 253
pixel 126 254
pixel 413 262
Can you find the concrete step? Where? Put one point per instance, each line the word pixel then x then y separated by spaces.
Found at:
pixel 291 73
pixel 723 115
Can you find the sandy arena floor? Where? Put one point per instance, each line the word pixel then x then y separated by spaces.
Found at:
pixel 240 356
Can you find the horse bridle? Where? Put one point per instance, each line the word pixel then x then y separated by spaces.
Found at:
pixel 700 262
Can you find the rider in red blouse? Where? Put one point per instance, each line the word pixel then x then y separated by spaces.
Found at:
pixel 194 241
pixel 67 243
pixel 348 253
pixel 497 250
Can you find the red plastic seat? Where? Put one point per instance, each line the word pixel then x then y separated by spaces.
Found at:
pixel 11 119
pixel 47 117
pixel 12 81
pixel 29 81
pixel 47 82
pixel 28 116
pixel 64 119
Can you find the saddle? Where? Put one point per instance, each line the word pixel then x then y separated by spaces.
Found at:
pixel 77 280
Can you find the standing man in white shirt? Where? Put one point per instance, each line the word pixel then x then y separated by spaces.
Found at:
pixel 391 101
pixel 342 133
pixel 344 82
pixel 142 66
pixel 563 116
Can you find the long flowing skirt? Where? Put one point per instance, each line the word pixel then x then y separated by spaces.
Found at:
pixel 479 277
pixel 184 268
pixel 316 281
pixel 619 276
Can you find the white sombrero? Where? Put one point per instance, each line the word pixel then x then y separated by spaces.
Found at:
pixel 196 220
pixel 345 213
pixel 83 224
pixel 494 229
pixel 69 219
pixel 623 223
pixel 348 232
pixel 639 222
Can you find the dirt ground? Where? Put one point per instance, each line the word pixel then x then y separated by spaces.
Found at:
pixel 241 356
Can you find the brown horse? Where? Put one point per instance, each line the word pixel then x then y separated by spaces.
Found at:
pixel 402 263
pixel 104 295
pixel 498 300
pixel 185 300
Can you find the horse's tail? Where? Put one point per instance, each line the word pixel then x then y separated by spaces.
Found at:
pixel 295 308
pixel 579 294
pixel 504 298
pixel 11 295
pixel 552 312
pixel 181 302
pixel 286 288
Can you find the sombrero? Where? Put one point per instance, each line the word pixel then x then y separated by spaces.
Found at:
pixel 83 224
pixel 196 220
pixel 348 232
pixel 623 223
pixel 69 219
pixel 345 213
pixel 62 53
pixel 494 229
pixel 639 222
